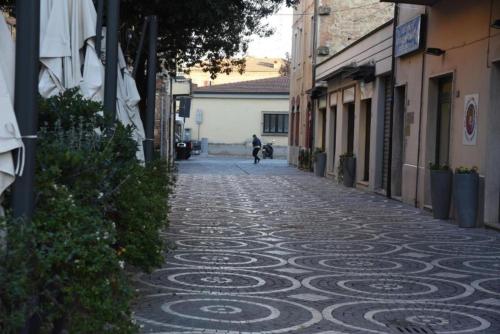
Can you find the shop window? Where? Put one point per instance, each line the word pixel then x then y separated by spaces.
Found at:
pixel 275 124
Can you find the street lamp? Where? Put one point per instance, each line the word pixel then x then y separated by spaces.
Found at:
pixel 435 51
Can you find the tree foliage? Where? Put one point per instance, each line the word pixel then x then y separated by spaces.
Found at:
pixel 205 32
pixel 194 30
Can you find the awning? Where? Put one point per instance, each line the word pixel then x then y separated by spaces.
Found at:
pixel 364 73
pixel 337 72
pixel 414 2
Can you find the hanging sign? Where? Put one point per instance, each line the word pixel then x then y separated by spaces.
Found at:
pixel 409 36
pixel 471 110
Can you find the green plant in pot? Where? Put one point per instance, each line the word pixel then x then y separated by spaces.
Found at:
pixel 319 159
pixel 465 196
pixel 441 186
pixel 304 159
pixel 346 171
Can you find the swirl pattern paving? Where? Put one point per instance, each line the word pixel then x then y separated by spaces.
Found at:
pixel 269 249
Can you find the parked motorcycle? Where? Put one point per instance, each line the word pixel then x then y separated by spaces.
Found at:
pixel 268 151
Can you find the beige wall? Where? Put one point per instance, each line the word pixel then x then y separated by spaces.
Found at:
pixel 232 118
pixel 462 29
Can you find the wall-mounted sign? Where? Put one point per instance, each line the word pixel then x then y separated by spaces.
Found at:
pixel 366 90
pixel 333 99
pixel 471 111
pixel 185 107
pixel 349 95
pixel 410 36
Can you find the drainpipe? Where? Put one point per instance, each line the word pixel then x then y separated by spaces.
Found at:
pixel 391 120
pixel 422 78
pixel 314 60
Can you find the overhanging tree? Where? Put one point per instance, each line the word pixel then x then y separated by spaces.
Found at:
pixel 204 32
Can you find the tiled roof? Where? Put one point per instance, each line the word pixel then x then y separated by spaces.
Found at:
pixel 278 85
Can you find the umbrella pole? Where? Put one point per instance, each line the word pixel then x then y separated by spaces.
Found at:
pixel 26 107
pixel 151 90
pixel 98 37
pixel 111 76
pixel 138 57
pixel 26 101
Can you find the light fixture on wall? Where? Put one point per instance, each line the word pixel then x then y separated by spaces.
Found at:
pixel 435 51
pixel 496 24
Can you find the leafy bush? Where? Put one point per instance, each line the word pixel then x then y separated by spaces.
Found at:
pixel 439 167
pixel 466 170
pixel 97 209
pixel 340 167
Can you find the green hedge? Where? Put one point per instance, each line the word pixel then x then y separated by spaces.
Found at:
pixel 98 210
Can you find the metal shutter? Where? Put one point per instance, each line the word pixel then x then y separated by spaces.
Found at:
pixel 387 129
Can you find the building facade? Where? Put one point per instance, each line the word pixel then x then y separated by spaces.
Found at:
pixel 321 28
pixel 353 107
pixel 446 97
pixel 229 114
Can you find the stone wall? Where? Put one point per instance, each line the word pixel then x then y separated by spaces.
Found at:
pixel 348 21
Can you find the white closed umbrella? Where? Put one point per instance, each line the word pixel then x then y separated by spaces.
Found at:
pixel 127 104
pixel 10 136
pixel 66 28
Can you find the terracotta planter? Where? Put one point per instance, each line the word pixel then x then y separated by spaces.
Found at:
pixel 441 184
pixel 465 198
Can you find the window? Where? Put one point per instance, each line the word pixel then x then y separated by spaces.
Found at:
pixel 275 123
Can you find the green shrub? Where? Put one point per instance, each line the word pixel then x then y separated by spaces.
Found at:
pixel 97 209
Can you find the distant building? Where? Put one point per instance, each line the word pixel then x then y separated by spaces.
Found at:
pixel 255 69
pixel 229 114
pixel 320 30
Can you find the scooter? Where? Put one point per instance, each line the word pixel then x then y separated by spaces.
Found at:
pixel 267 151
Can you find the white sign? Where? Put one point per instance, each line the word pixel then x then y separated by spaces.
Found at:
pixel 409 37
pixel 471 111
pixel 199 116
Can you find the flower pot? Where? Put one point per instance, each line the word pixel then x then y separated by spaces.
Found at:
pixel 349 171
pixel 441 182
pixel 320 164
pixel 465 198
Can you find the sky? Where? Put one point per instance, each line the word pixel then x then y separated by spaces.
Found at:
pixel 278 44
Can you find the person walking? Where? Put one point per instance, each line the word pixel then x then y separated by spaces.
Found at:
pixel 256 148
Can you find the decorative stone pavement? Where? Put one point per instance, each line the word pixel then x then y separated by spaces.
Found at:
pixel 269 249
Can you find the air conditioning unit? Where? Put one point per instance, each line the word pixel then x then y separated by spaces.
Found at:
pixel 324 10
pixel 323 51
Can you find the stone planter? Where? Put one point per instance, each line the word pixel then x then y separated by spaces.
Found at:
pixel 465 198
pixel 320 164
pixel 441 182
pixel 349 171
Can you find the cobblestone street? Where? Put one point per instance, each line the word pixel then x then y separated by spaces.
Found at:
pixel 269 249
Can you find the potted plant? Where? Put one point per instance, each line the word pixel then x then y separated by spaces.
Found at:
pixel 465 196
pixel 346 171
pixel 304 159
pixel 319 158
pixel 441 182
